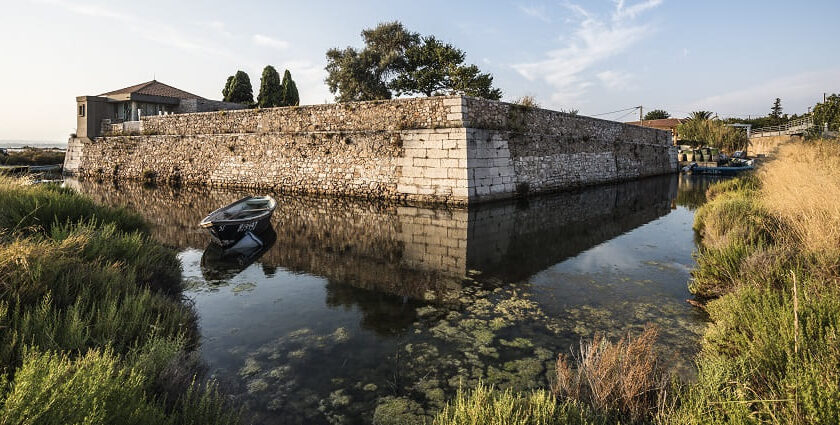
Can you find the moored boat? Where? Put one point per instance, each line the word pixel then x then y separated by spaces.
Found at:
pixel 229 224
pixel 717 171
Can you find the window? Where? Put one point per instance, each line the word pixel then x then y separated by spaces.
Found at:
pixel 81 110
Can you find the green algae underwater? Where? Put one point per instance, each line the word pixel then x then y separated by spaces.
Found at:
pixel 368 312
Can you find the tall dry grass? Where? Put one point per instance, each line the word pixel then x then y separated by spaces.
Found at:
pixel 802 187
pixel 620 377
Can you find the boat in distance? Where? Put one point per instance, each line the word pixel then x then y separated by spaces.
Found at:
pixel 229 224
pixel 717 171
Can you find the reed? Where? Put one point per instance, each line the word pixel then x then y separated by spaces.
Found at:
pixel 802 187
pixel 613 378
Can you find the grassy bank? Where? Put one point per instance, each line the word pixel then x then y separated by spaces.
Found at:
pixel 93 326
pixel 767 274
pixel 33 156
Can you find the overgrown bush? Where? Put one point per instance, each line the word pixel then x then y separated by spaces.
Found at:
pixel 92 328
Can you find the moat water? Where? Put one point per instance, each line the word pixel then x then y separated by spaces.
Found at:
pixel 358 305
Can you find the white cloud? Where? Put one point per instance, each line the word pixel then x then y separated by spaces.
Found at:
pixel 264 40
pixel 535 12
pixel 150 30
pixel 614 79
pixel 594 40
pixel 219 27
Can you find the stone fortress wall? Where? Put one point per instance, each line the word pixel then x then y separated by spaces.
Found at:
pixel 447 149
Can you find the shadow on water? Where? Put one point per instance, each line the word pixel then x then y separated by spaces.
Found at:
pixel 360 304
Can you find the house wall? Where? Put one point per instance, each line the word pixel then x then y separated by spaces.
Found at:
pixel 96 109
pixel 451 149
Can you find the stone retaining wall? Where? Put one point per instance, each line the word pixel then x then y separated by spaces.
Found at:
pixel 450 149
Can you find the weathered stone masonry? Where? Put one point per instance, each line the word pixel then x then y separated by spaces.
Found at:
pixel 451 149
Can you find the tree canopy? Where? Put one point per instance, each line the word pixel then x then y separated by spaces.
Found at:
pixel 270 88
pixel 828 113
pixel 701 115
pixel 226 90
pixel 289 92
pixel 657 114
pixel 239 89
pixel 396 61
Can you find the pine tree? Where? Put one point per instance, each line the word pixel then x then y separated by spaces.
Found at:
pixel 226 90
pixel 240 90
pixel 271 92
pixel 776 112
pixel 290 96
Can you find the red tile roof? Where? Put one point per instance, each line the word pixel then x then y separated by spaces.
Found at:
pixel 154 88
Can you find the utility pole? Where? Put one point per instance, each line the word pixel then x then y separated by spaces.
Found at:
pixel 640 115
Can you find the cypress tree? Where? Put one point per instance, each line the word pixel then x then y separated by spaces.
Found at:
pixel 226 90
pixel 241 91
pixel 290 96
pixel 270 89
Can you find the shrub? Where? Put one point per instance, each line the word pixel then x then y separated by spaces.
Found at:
pixel 754 369
pixel 619 378
pixel 486 405
pixel 51 388
pixel 93 330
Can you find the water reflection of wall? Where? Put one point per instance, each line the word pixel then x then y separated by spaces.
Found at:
pixel 406 250
pixel 513 241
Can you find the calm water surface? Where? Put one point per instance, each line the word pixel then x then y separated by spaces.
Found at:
pixel 360 304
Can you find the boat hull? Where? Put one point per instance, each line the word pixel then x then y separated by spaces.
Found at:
pixel 227 234
pixel 719 171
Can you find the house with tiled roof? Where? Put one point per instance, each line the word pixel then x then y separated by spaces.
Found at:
pixel 669 124
pixel 125 106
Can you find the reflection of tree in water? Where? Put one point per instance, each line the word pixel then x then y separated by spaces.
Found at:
pixel 692 190
pixel 383 313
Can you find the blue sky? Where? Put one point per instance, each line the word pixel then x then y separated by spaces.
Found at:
pixel 730 57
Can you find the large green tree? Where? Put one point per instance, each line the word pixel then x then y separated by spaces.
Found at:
pixel 433 67
pixel 364 74
pixel 395 61
pixel 239 90
pixel 270 89
pixel 657 114
pixel 289 92
pixel 828 114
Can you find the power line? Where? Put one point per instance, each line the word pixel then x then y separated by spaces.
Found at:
pixel 626 115
pixel 620 110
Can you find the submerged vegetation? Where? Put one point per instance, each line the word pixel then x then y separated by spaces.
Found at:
pixel 93 328
pixel 768 272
